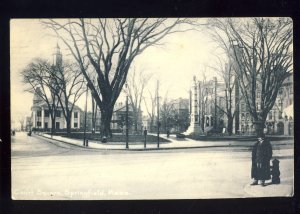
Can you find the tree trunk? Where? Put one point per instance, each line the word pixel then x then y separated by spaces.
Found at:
pixel 94 115
pixel 136 121
pixel 52 124
pixel 230 125
pixel 106 115
pixel 259 124
pixel 151 124
pixel 93 126
pixel 68 121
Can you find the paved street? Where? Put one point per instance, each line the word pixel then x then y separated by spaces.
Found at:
pixel 43 170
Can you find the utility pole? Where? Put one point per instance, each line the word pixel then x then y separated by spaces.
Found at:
pixel 215 123
pixel 158 123
pixel 199 103
pixel 84 137
pixel 126 118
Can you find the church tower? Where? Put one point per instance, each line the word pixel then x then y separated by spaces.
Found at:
pixel 57 59
pixel 37 96
pixel 57 64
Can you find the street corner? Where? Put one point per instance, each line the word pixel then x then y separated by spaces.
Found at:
pixel 270 190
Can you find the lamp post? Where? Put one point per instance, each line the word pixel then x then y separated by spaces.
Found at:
pixel 158 123
pixel 84 132
pixel 215 123
pixel 127 146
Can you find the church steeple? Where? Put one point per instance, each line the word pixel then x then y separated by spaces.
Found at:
pixel 57 56
pixel 37 96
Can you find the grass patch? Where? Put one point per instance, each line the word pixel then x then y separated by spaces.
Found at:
pixel 116 138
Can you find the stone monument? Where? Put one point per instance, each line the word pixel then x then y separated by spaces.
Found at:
pixel 194 128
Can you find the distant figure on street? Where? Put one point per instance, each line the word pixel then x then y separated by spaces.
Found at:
pixel 168 133
pixel 261 156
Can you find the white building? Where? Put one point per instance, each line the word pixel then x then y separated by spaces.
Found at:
pixel 41 115
pixel 41 118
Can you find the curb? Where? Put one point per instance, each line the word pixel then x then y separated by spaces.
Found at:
pixel 140 149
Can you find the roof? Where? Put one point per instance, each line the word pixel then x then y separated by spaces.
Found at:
pixel 45 105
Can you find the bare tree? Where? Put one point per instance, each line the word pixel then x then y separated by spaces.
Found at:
pixel 136 83
pixel 21 121
pixel 38 76
pixel 224 68
pixel 69 85
pixel 94 115
pixel 261 50
pixel 151 110
pixel 110 46
pixel 167 113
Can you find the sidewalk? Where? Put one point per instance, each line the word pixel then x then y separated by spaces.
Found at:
pixel 173 144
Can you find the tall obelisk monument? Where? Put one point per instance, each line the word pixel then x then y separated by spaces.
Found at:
pixel 194 128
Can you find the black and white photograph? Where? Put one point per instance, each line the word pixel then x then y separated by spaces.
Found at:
pixel 151 108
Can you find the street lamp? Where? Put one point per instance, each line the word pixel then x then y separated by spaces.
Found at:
pixel 215 123
pixel 84 133
pixel 158 123
pixel 127 146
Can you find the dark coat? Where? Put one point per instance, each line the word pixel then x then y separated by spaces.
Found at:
pixel 261 154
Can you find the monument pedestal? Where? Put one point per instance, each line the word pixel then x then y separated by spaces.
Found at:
pixel 194 129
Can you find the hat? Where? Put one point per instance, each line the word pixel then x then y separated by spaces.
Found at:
pixel 261 135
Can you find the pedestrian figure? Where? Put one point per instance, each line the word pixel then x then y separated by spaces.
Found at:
pixel 261 156
pixel 145 135
pixel 168 134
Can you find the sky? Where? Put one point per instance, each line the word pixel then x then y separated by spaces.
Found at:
pixel 174 64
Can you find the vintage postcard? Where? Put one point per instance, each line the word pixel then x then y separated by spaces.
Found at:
pixel 152 108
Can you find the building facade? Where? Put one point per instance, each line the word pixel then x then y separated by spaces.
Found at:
pixel 212 100
pixel 41 119
pixel 40 111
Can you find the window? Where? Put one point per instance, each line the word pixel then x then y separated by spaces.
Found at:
pixel 57 113
pixel 243 106
pixel 76 114
pixel 247 116
pixel 38 124
pixel 207 121
pixel 270 116
pixel 75 125
pixel 258 94
pixel 39 113
pixel 243 116
pixel 257 107
pixel 46 113
pixel 280 103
